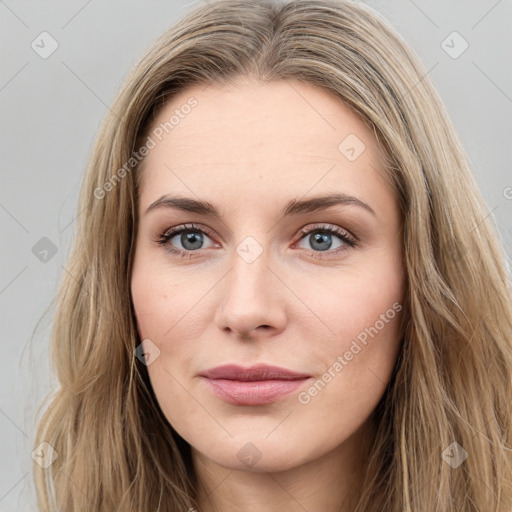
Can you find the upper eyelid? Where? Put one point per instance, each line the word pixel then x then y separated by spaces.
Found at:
pixel 186 227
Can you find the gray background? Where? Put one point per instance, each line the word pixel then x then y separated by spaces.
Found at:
pixel 51 109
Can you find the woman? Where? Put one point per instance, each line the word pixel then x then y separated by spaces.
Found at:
pixel 262 367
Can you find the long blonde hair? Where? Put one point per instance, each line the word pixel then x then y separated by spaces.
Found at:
pixel 452 379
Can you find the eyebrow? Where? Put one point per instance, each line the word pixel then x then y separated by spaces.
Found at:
pixel 293 207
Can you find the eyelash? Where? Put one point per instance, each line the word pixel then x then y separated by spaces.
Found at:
pixel 350 241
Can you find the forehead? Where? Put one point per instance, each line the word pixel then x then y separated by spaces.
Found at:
pixel 285 116
pixel 259 136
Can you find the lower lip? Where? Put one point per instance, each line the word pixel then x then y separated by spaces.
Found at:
pixel 252 393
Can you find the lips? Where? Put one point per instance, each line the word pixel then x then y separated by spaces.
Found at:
pixel 256 385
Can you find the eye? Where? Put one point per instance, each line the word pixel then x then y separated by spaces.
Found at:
pixel 189 236
pixel 320 239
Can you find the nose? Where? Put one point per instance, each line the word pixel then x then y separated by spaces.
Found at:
pixel 251 299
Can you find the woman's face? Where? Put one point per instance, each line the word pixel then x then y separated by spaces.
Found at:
pixel 269 273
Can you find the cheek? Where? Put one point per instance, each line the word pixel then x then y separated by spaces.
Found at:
pixel 361 315
pixel 154 294
pixel 353 302
pixel 158 316
pixel 146 303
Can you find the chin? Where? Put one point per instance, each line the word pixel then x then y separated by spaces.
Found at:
pixel 256 454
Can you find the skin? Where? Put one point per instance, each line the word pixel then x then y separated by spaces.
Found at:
pixel 249 148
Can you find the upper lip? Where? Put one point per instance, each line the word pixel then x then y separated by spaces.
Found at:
pixel 252 373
